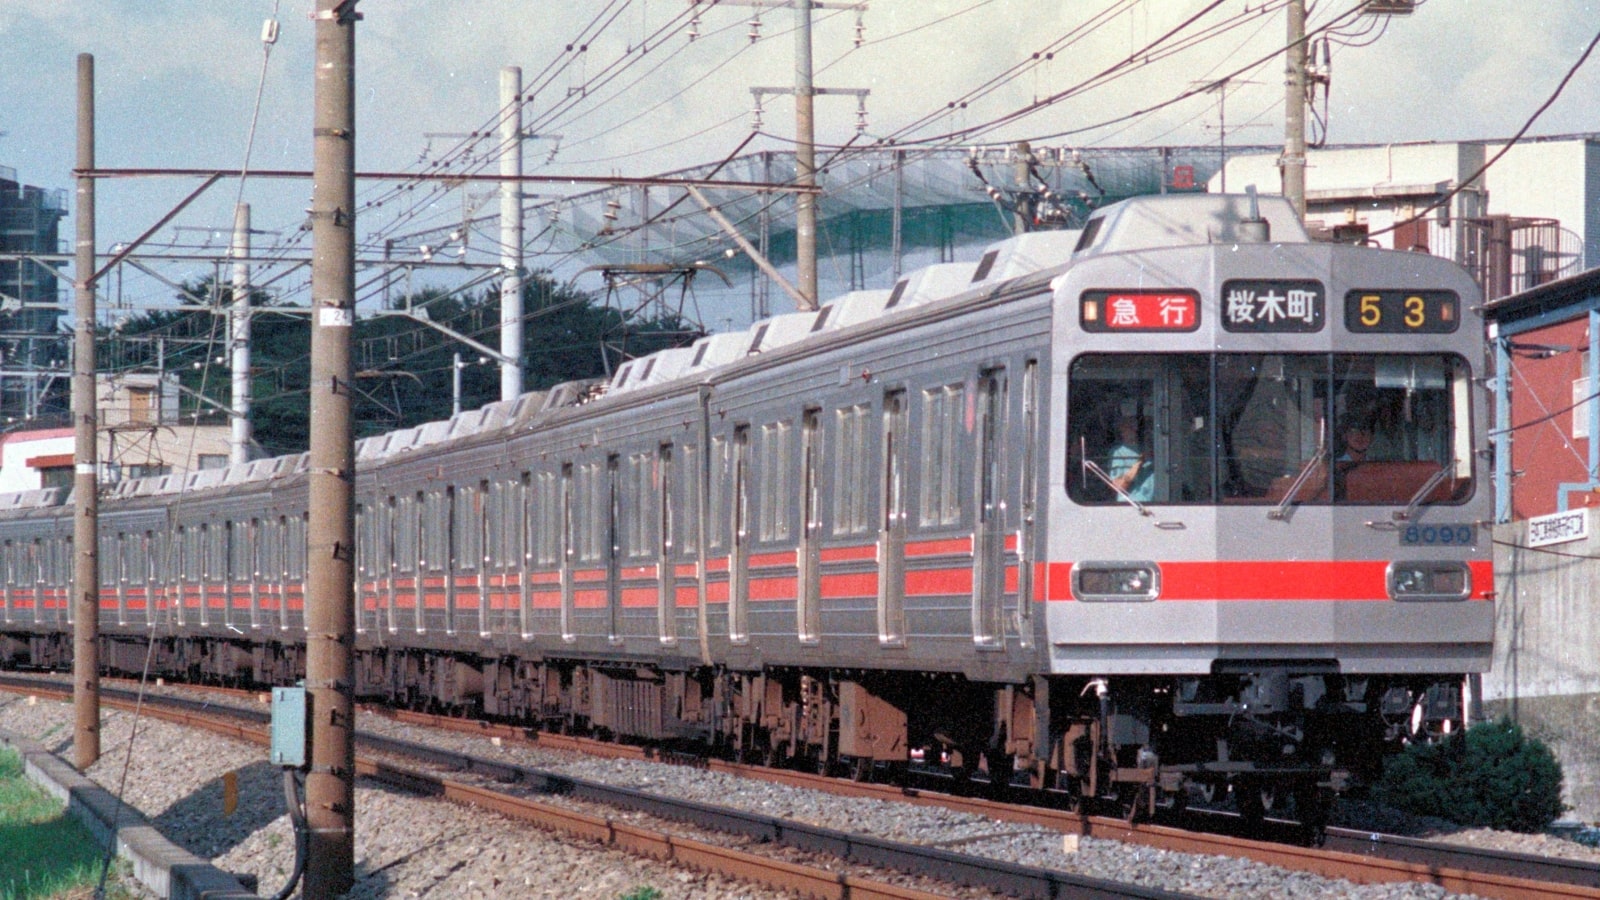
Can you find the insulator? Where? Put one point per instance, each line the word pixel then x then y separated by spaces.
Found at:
pixel 755 30
pixel 861 30
pixel 694 27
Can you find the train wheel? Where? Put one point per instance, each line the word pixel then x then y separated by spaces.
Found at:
pixel 1002 766
pixel 861 769
pixel 1312 807
pixel 1256 799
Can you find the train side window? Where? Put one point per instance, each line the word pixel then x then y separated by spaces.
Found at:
pixel 111 556
pixel 689 474
pixel 943 425
pixel 717 502
pixel 241 547
pixel 774 480
pixel 639 498
pixel 294 547
pixel 272 546
pixel 546 515
pixel 852 470
pixel 592 509
pixel 405 534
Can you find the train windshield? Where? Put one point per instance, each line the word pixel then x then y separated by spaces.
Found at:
pixel 1269 429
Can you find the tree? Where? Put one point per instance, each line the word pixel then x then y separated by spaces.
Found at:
pixel 404 368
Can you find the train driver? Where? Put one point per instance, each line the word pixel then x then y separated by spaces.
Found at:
pixel 1129 465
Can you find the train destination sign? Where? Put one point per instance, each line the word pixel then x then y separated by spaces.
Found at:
pixel 1139 310
pixel 1273 305
pixel 1402 312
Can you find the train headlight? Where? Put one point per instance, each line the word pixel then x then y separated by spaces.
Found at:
pixel 1429 580
pixel 1116 581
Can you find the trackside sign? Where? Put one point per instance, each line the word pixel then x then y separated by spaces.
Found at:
pixel 1558 528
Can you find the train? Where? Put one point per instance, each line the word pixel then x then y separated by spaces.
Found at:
pixel 1178 503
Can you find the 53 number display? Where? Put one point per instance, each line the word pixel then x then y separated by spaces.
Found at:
pixel 1402 312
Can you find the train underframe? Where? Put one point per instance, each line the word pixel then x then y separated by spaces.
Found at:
pixel 1282 738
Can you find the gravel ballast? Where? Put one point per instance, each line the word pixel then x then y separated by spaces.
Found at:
pixel 409 846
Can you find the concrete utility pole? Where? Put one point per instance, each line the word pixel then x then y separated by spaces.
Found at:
pixel 1293 162
pixel 330 538
pixel 239 337
pixel 86 451
pixel 805 150
pixel 510 233
pixel 805 159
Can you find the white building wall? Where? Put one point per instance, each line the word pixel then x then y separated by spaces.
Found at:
pixel 1549 180
pixel 1554 179
pixel 15 473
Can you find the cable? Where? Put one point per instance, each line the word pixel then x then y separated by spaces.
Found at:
pixel 1450 194
pixel 294 798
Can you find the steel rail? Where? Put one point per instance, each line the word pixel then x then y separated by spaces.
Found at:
pixel 1355 856
pixel 1008 878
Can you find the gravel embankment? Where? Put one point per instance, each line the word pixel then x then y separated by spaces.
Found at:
pixel 408 846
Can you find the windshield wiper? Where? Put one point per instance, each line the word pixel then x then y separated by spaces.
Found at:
pixel 1090 465
pixel 1426 489
pixel 1282 509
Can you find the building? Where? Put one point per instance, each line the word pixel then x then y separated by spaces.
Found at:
pixel 32 355
pixel 1531 218
pixel 139 436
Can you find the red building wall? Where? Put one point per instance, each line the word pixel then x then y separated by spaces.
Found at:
pixel 1544 451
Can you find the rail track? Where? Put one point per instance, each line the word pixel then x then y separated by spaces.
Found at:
pixel 1356 856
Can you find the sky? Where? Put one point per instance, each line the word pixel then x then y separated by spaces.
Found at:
pixel 177 83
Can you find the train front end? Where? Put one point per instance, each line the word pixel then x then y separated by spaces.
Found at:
pixel 1268 550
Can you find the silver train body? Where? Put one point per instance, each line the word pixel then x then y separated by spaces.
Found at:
pixel 900 528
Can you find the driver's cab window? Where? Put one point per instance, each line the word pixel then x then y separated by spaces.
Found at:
pixel 1140 422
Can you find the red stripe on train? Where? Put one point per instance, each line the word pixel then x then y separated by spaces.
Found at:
pixel 1352 580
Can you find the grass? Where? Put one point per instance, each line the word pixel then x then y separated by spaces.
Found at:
pixel 46 853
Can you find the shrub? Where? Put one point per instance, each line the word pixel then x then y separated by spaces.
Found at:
pixel 1491 775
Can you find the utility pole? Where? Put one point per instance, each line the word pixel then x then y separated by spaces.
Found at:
pixel 239 337
pixel 330 537
pixel 510 234
pixel 805 150
pixel 805 159
pixel 1293 161
pixel 86 451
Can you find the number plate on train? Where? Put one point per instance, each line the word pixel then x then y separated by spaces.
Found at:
pixel 1442 535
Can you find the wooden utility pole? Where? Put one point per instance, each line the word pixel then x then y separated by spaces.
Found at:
pixel 330 536
pixel 1293 161
pixel 86 450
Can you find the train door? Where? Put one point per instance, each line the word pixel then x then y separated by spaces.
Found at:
pixel 111 575
pixel 666 546
pixel 989 543
pixel 1028 507
pixel 8 560
pixel 739 577
pixel 611 546
pixel 892 524
pixel 520 561
pixel 808 617
pixel 569 551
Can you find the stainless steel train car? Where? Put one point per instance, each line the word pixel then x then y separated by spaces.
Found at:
pixel 1180 501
